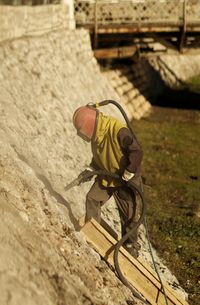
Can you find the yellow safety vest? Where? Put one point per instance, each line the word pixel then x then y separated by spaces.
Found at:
pixel 105 147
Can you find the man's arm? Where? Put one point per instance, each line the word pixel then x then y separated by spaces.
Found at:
pixel 131 149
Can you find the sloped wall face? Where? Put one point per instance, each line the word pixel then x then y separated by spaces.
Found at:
pixel 42 259
pixel 43 80
pixel 175 69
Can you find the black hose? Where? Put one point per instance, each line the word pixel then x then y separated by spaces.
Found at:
pixel 106 102
pixel 133 187
pixel 120 243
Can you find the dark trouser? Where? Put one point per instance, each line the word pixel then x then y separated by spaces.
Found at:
pixel 125 200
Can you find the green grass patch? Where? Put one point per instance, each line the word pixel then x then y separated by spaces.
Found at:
pixel 194 84
pixel 171 168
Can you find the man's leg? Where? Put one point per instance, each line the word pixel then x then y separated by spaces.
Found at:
pixel 126 204
pixel 129 212
pixel 95 198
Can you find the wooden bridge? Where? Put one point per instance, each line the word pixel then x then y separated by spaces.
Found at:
pixel 120 28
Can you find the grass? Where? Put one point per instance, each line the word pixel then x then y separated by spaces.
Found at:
pixel 171 167
pixel 193 84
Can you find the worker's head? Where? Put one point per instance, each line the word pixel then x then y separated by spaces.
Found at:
pixel 84 121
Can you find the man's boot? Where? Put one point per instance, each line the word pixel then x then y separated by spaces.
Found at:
pixel 133 248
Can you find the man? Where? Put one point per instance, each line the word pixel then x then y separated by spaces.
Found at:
pixel 116 150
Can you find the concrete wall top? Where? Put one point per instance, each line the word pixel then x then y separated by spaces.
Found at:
pixel 18 21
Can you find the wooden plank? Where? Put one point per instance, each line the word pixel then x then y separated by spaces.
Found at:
pixel 119 52
pixel 141 276
pixel 163 41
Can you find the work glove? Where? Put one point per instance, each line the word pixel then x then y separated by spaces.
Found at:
pixel 127 175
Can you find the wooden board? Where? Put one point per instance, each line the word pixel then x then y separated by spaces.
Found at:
pixel 141 276
pixel 120 52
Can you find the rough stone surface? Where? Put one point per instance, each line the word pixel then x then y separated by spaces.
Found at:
pixel 42 259
pixel 17 21
pixel 175 69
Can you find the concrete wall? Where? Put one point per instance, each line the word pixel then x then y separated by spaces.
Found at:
pixel 175 69
pixel 26 21
pixel 18 21
pixel 43 79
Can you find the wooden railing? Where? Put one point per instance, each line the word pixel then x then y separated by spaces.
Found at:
pixel 142 13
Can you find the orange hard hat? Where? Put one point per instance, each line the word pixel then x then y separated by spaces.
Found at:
pixel 84 120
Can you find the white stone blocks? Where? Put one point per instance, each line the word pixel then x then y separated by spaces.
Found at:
pixel 130 85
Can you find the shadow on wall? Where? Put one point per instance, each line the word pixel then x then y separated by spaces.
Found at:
pixel 148 81
pixel 59 198
pixel 182 97
pixel 159 94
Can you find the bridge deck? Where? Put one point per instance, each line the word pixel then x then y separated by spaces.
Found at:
pixel 149 27
pixel 171 20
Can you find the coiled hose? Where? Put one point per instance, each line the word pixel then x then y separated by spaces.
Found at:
pixel 134 188
pixel 130 233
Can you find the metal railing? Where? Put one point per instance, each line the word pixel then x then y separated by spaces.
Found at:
pixel 124 12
